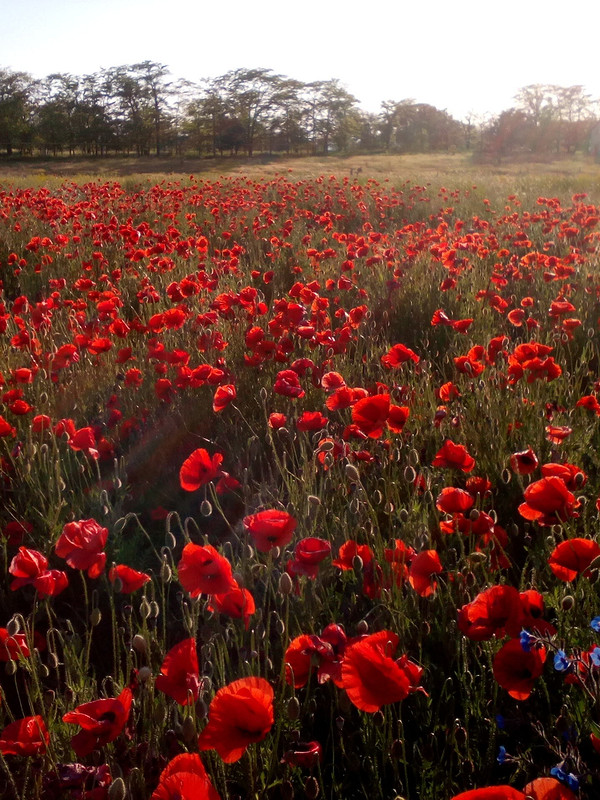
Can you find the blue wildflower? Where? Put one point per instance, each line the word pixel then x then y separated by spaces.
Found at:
pixel 526 640
pixel 595 656
pixel 501 755
pixel 561 662
pixel 595 624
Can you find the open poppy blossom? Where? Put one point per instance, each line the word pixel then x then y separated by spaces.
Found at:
pixel 517 670
pixel 224 395
pixel 372 677
pixel 322 655
pixel 398 355
pixel 185 778
pixel 203 570
pixel 524 462
pixel 573 557
pixel 496 611
pixel 25 737
pixel 501 792
pixel 270 528
pixel 179 675
pixel 454 455
pixel 101 722
pixel 548 502
pixel 199 469
pixel 30 567
pixel 422 568
pixel 13 647
pixel 130 579
pixel 454 501
pixel 240 713
pixel 237 603
pixel 81 545
pixel 371 413
pixel 308 554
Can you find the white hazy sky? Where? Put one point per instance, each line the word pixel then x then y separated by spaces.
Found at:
pixel 459 55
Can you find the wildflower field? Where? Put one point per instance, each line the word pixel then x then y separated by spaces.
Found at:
pixel 299 489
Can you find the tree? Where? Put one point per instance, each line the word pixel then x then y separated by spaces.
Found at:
pixel 16 89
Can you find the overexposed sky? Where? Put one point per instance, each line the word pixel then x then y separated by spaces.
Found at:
pixel 459 55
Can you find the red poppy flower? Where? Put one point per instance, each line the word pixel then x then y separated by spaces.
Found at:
pixel 490 793
pixel 237 603
pixel 496 611
pixel 287 384
pixel 13 647
pixel 516 670
pixel 371 676
pixel 277 420
pixel 240 713
pixel 270 528
pixel 548 789
pixel 185 778
pixel 81 544
pixel 31 568
pixel 398 355
pixel 84 440
pixel 25 737
pixel 548 501
pixel 6 429
pixel 199 469
pixel 311 421
pixel 348 552
pixel 557 433
pixel 371 413
pixel 179 675
pixel 131 579
pixel 423 567
pixel 397 418
pixel 454 455
pixel 572 558
pixel 308 554
pixel 101 720
pixel 574 477
pixel 202 570
pixel 223 396
pixel 308 653
pixel 15 531
pixel 454 501
pixel 524 463
pixel 590 402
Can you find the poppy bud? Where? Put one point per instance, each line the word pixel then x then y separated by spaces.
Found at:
pixel 287 791
pixel 95 617
pixel 145 609
pixel 139 643
pixel 409 474
pixel 117 790
pixel 293 708
pixel 311 788
pixel 285 584
pixel 13 626
pixel 568 602
pixel 144 674
pixel 10 667
pixel 166 573
pixel 189 730
pixel 313 500
pixel 352 473
pixel 362 627
pixel 403 515
pixel 49 698
pixel 205 508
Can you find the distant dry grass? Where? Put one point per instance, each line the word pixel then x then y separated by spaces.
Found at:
pixel 457 171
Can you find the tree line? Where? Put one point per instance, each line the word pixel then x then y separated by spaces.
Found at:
pixel 139 109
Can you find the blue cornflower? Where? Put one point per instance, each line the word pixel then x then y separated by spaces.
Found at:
pixel 595 656
pixel 595 624
pixel 561 662
pixel 501 755
pixel 526 640
pixel 568 778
